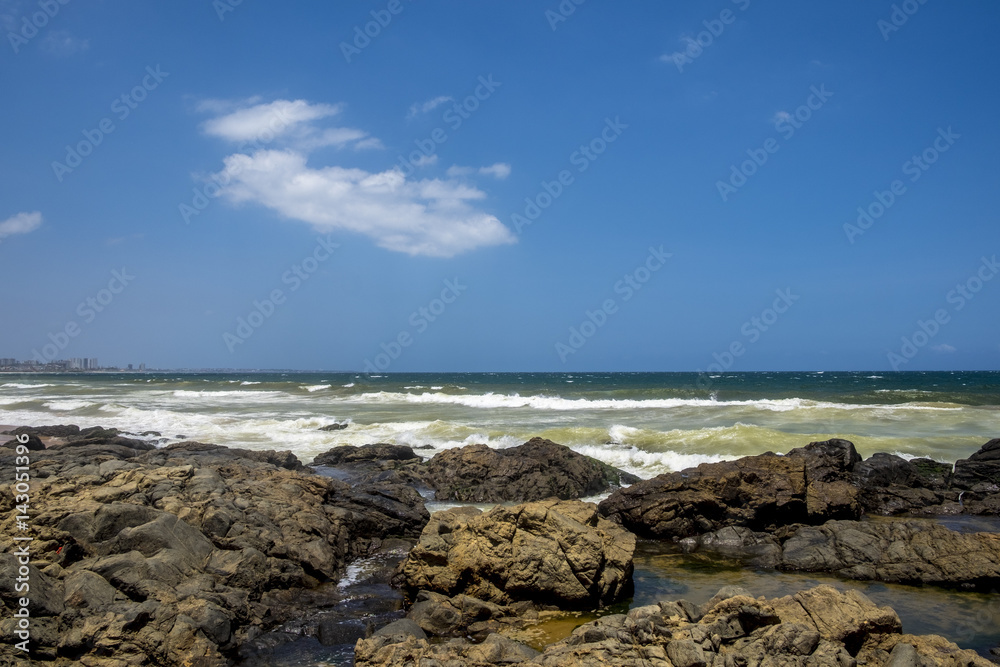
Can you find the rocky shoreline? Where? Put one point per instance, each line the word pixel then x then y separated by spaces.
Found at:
pixel 197 554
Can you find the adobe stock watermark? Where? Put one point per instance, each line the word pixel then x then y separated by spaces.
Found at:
pixel 562 12
pixel 958 298
pixel 122 107
pixel 22 582
pixel 203 195
pixel 454 117
pixel 419 321
pixel 264 309
pixel 33 24
pixel 223 7
pixel 627 286
pixel 581 158
pixel 381 18
pixel 787 124
pixel 704 39
pixel 915 167
pixel 986 620
pixel 899 16
pixel 87 310
pixel 751 332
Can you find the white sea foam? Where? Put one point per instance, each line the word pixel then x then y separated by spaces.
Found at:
pixel 245 383
pixel 645 463
pixel 315 387
pixel 236 393
pixel 493 401
pixel 348 385
pixel 67 405
pixel 18 385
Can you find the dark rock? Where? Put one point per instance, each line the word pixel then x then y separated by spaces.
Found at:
pixel 332 632
pixel 403 627
pixel 913 552
pixel 884 470
pixel 33 443
pixel 283 459
pixel 46 594
pixel 981 471
pixel 536 470
pixel 59 431
pixel 334 427
pixel 809 485
pixel 829 460
pixel 933 474
pixel 348 454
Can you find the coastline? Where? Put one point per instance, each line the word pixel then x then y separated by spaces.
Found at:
pixel 102 473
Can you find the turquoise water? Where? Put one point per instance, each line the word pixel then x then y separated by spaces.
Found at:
pixel 646 423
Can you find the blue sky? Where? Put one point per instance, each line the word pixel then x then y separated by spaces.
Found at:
pixel 643 186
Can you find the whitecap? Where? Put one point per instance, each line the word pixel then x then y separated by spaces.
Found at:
pixel 67 405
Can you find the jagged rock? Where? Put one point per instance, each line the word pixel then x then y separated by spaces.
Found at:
pixel 335 426
pixel 896 551
pixel 536 470
pixel 808 485
pixel 377 452
pixel 33 443
pixel 820 627
pixel 169 556
pixel 399 650
pixel 465 616
pixel 555 552
pixel 57 431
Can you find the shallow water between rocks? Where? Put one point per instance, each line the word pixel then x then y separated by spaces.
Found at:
pixel 662 572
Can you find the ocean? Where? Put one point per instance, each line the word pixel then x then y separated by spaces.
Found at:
pixel 645 423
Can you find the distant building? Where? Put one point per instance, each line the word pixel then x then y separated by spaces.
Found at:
pixel 142 367
pixel 8 362
pixel 92 364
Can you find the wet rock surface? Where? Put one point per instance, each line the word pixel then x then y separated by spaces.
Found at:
pixel 906 552
pixel 820 482
pixel 536 470
pixel 808 485
pixel 817 627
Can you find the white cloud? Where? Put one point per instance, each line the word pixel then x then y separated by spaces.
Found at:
pixel 427 217
pixel 500 171
pixel 426 161
pixel 419 217
pixel 944 348
pixel 454 171
pixel 428 106
pixel 62 43
pixel 369 143
pixel 22 223
pixel 278 118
